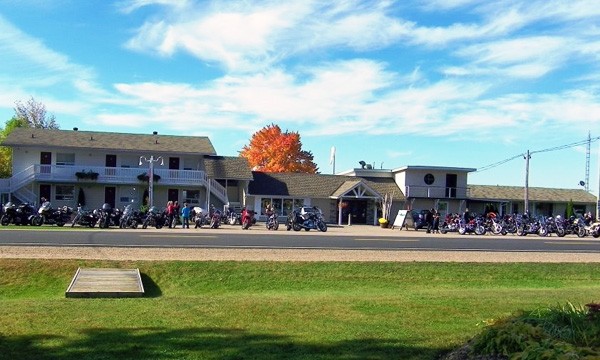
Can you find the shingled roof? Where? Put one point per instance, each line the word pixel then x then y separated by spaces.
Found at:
pixel 227 167
pixel 315 185
pixel 516 193
pixel 140 143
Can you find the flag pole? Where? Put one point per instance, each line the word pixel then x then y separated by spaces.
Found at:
pixel 332 159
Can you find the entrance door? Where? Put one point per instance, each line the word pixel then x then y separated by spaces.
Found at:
pixel 173 195
pixel 45 162
pixel 45 191
pixel 110 195
pixel 111 164
pixel 357 209
pixel 173 166
pixel 451 184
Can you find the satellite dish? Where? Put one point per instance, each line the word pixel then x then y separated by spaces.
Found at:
pixel 582 183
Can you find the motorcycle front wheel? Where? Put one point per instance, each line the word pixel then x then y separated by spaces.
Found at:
pixel 322 226
pixel 37 221
pixel 5 220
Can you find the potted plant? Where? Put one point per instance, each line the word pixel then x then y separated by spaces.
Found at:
pixel 91 175
pixel 81 174
pixel 383 222
pixel 145 177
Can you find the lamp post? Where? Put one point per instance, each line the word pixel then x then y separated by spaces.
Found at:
pixel 151 161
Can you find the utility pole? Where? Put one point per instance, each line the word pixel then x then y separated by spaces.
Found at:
pixel 598 201
pixel 527 157
pixel 587 162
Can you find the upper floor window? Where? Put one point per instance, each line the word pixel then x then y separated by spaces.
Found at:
pixel 65 159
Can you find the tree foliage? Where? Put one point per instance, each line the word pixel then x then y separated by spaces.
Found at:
pixel 34 114
pixel 31 114
pixel 271 150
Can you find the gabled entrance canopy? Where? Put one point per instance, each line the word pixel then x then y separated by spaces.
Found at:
pixel 352 190
pixel 355 189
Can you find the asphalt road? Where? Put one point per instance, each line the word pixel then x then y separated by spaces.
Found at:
pixel 337 238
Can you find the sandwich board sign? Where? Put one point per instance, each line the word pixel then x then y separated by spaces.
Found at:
pixel 403 218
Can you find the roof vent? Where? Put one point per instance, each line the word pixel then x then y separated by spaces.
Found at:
pixel 155 133
pixel 75 129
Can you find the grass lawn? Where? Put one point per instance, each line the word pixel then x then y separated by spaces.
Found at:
pixel 274 310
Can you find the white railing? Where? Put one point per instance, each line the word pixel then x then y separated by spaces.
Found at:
pixel 110 175
pixel 435 192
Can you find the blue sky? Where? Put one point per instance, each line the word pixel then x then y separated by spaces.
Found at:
pixel 463 83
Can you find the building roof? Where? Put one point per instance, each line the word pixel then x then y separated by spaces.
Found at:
pixel 517 193
pixel 139 143
pixel 315 185
pixel 227 167
pixel 433 168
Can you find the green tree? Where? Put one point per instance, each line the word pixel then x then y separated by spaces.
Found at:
pixel 569 210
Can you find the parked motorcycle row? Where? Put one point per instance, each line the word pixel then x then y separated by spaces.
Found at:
pixel 521 225
pixel 307 218
pixel 26 214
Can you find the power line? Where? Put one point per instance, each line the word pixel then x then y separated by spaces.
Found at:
pixel 556 148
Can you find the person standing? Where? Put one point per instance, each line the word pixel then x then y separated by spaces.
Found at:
pixel 169 211
pixel 176 209
pixel 185 216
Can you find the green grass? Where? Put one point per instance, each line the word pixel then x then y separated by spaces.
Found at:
pixel 274 310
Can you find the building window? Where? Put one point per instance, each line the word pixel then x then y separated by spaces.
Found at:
pixel 65 159
pixel 281 207
pixel 65 192
pixel 191 196
pixel 429 179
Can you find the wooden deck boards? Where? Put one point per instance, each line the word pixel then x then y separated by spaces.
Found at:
pixel 92 282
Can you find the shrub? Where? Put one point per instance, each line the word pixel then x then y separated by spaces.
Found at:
pixel 562 332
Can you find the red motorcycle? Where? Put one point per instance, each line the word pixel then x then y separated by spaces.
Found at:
pixel 247 219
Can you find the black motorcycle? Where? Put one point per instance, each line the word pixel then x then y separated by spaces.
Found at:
pixel 84 218
pixel 199 217
pixel 107 216
pixel 18 215
pixel 50 216
pixel 130 218
pixel 154 217
pixel 306 218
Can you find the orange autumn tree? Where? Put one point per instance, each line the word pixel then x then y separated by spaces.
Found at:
pixel 270 150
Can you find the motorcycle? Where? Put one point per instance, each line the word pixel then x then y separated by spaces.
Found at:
pixel 232 218
pixel 107 216
pixel 272 222
pixel 306 218
pixel 84 218
pixel 199 217
pixel 18 215
pixel 248 219
pixel 215 219
pixel 474 225
pixel 130 218
pixel 154 217
pixel 451 223
pixel 47 215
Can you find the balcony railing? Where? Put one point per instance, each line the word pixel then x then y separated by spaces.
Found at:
pixel 436 192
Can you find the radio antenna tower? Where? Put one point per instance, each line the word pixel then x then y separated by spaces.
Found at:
pixel 587 162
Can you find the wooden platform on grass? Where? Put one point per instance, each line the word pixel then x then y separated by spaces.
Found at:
pixel 98 283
